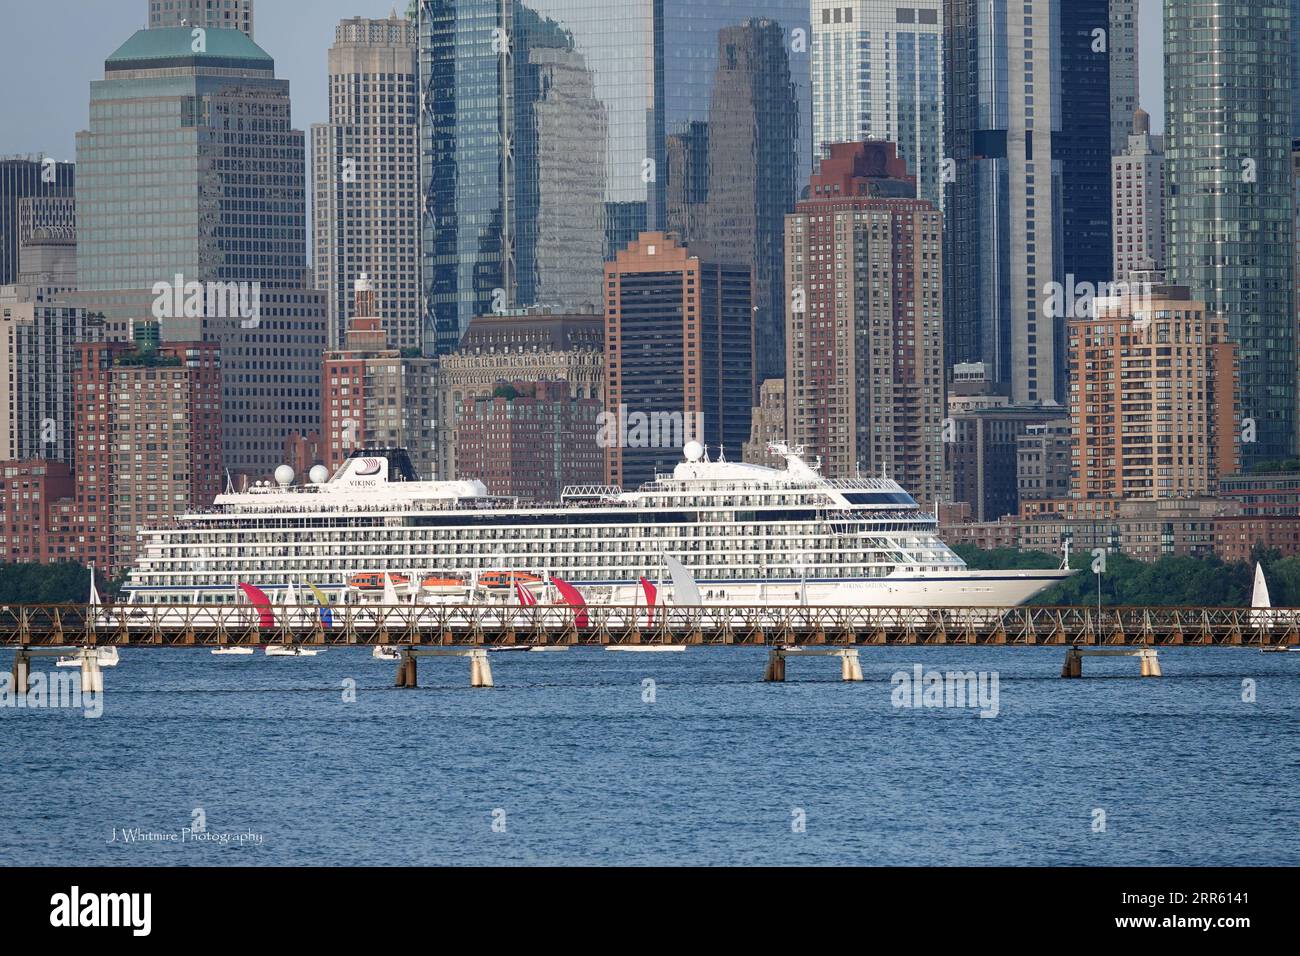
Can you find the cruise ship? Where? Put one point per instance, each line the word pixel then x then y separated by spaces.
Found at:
pixel 713 532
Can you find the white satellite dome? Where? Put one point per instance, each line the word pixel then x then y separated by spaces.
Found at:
pixel 284 475
pixel 319 474
pixel 693 451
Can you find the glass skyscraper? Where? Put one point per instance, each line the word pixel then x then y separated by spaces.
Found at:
pixel 1228 115
pixel 877 73
pixel 191 167
pixel 543 121
pixel 1027 123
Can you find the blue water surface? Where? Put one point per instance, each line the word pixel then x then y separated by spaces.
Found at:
pixel 566 761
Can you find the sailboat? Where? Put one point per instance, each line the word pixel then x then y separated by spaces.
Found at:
pixel 386 653
pixel 1261 615
pixel 107 656
pixel 291 613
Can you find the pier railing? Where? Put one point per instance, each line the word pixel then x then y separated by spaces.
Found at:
pixel 488 625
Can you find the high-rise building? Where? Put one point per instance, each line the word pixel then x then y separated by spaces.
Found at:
pixel 515 96
pixel 526 345
pixel 530 440
pixel 1228 112
pixel 22 178
pixel 864 350
pixel 366 178
pixel 1153 386
pixel 767 425
pixel 38 332
pixel 982 442
pixel 227 14
pixel 377 396
pixel 1124 73
pixel 1138 193
pixel 148 440
pixel 877 73
pixel 35 499
pixel 191 210
pixel 1028 204
pixel 679 357
pixel 738 172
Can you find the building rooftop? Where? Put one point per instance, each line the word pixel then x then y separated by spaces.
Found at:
pixel 148 48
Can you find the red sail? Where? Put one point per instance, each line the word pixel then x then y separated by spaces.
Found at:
pixel 259 600
pixel 569 595
pixel 650 594
pixel 526 597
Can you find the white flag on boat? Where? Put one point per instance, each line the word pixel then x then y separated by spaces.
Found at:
pixel 685 590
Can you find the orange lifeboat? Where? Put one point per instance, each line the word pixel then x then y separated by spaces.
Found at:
pixel 499 580
pixel 374 580
pixel 443 584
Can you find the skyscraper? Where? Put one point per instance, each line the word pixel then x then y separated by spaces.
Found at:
pixel 1228 112
pixel 20 178
pixel 1029 200
pixel 366 178
pixel 679 361
pixel 228 14
pixel 1124 73
pixel 191 210
pixel 877 73
pixel 1138 192
pixel 864 356
pixel 504 90
pixel 739 174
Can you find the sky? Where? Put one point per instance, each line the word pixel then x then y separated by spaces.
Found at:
pixel 50 51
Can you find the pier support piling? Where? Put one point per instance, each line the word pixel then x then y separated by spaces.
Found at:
pixel 92 677
pixel 21 672
pixel 480 671
pixel 1148 660
pixel 850 665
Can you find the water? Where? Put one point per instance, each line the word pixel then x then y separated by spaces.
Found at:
pixel 567 756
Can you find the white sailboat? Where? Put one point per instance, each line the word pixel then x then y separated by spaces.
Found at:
pixel 107 656
pixel 292 613
pixel 232 651
pixel 1262 616
pixel 685 590
pixel 383 653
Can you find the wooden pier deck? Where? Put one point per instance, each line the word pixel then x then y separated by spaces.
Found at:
pixel 466 626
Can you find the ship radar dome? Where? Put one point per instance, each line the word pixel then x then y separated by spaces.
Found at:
pixel 319 474
pixel 693 451
pixel 284 475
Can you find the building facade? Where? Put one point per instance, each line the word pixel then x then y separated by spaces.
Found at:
pixel 768 425
pixel 226 14
pixel 1228 113
pixel 1153 398
pixel 1125 75
pixel 528 345
pixel 34 499
pixel 377 396
pixel 148 442
pixel 1027 204
pixel 519 93
pixel 530 440
pixel 679 357
pixel 191 210
pixel 23 178
pixel 366 178
pixel 1138 193
pixel 864 350
pixel 877 73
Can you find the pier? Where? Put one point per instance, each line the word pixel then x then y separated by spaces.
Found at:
pixel 469 631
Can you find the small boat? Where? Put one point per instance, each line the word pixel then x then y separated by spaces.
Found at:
pixel 285 650
pixel 232 651
pixel 1275 649
pixel 548 648
pixel 506 580
pixel 374 580
pixel 439 584
pixel 501 648
pixel 108 657
pixel 381 653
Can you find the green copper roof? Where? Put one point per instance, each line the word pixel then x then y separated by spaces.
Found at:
pixel 171 43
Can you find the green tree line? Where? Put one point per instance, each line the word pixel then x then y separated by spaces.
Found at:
pixel 62 583
pixel 1170 581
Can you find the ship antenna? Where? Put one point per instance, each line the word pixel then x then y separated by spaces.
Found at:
pixel 230 485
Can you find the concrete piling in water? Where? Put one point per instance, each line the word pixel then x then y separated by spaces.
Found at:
pixel 480 671
pixel 850 664
pixel 21 672
pixel 1148 660
pixel 92 676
